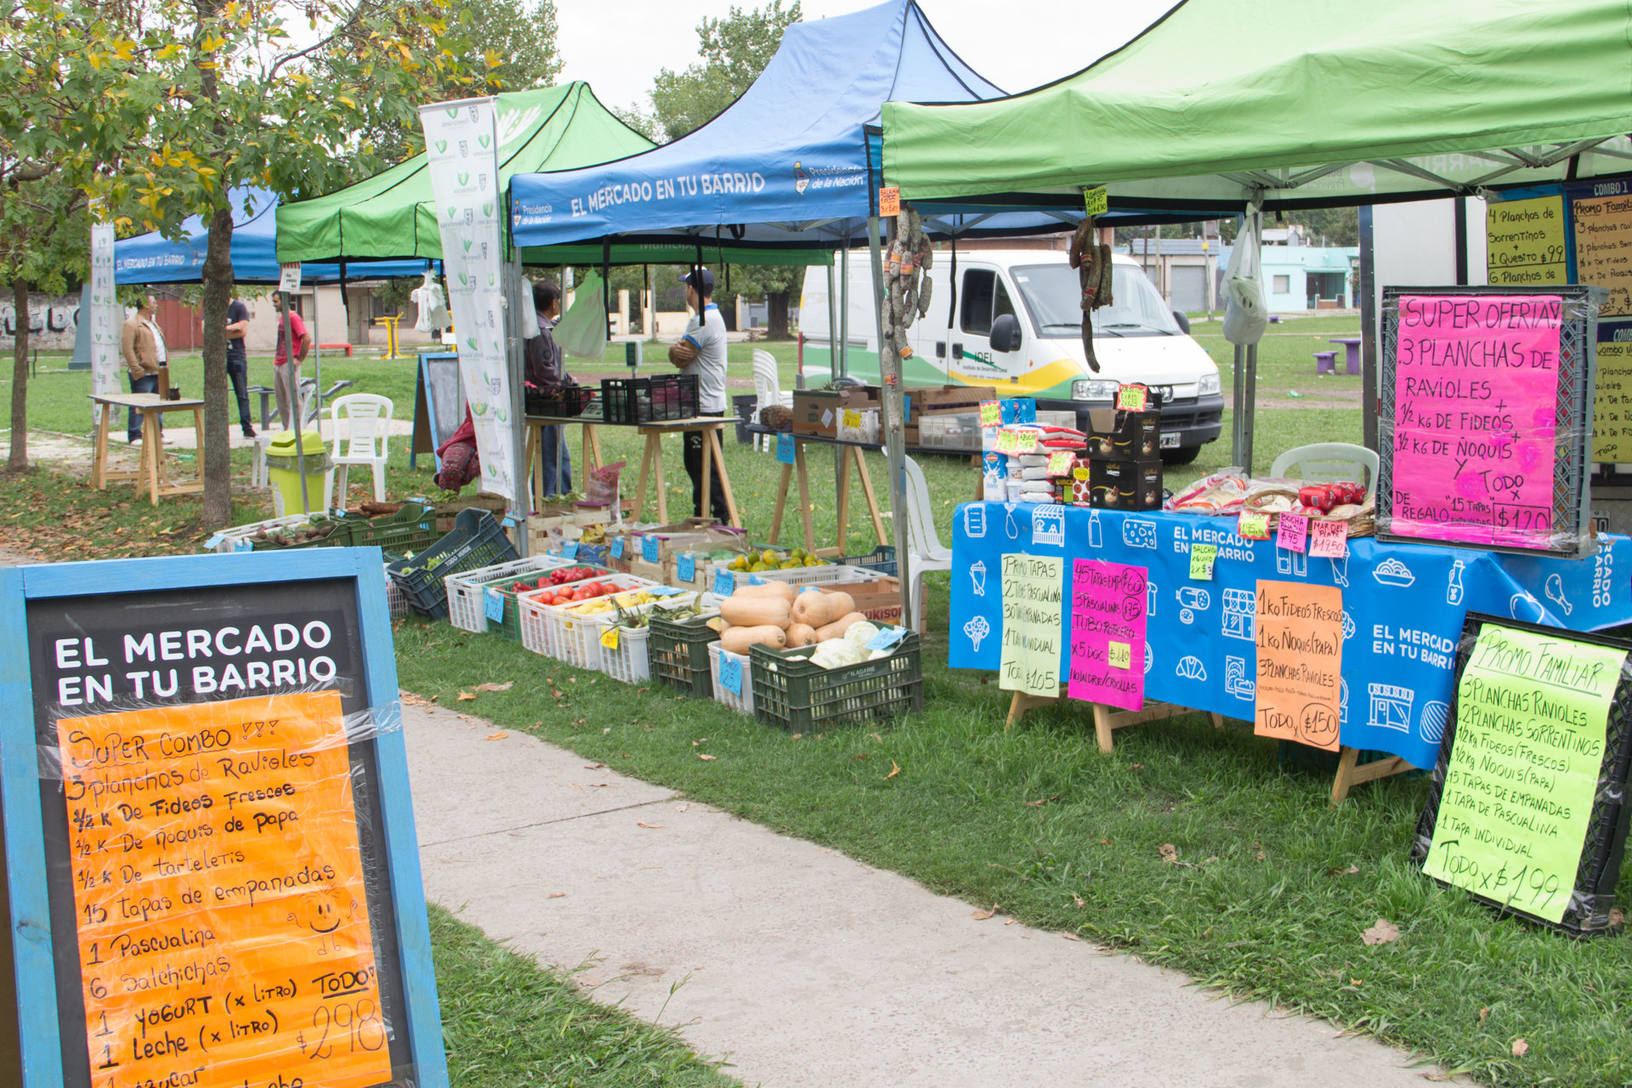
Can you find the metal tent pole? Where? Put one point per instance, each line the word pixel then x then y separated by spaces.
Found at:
pixel 841 362
pixel 832 324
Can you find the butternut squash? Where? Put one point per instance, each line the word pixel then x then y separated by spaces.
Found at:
pixel 736 640
pixel 839 603
pixel 838 627
pixel 814 607
pixel 756 610
pixel 800 634
pixel 766 589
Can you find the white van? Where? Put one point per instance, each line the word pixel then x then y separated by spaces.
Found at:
pixel 1138 339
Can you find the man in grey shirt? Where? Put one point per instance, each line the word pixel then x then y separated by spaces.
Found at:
pixel 705 330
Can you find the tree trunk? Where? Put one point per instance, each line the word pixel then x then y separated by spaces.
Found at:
pixel 776 316
pixel 213 446
pixel 18 460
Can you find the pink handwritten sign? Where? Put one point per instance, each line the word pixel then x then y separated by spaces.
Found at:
pixel 1475 418
pixel 1292 533
pixel 1108 603
pixel 1329 539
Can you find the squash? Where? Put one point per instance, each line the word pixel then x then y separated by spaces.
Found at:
pixel 838 627
pixel 736 640
pixel 840 603
pixel 756 610
pixel 766 589
pixel 800 634
pixel 815 608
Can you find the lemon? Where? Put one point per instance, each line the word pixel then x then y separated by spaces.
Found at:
pixel 767 556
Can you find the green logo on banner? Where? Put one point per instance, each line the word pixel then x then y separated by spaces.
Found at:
pixel 464 178
pixel 480 407
pixel 441 146
pixel 468 242
pixel 484 139
pixel 464 280
pixel 453 111
pixel 452 212
pixel 487 209
pixel 470 342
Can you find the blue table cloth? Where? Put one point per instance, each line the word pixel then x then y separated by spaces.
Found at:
pixel 1403 607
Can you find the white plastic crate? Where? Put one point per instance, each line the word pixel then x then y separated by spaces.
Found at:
pixel 237 538
pixel 467 606
pixel 576 638
pixel 395 602
pixel 628 663
pixel 744 703
pixel 538 627
pixel 827 574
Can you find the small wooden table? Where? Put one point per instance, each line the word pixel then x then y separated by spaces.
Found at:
pixel 651 461
pixel 152 476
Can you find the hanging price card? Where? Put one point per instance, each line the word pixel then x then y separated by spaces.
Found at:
pixel 725 582
pixel 1293 533
pixel 889 200
pixel 784 449
pixel 1202 558
pixel 685 568
pixel 731 672
pixel 1026 442
pixel 609 638
pixel 1252 526
pixel 1096 201
pixel 649 548
pixel 570 549
pixel 1132 398
pixel 617 547
pixel 852 419
pixel 991 413
pixel 1329 539
pixel 493 605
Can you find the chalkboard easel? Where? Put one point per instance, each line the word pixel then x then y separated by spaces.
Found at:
pixel 439 403
pixel 211 863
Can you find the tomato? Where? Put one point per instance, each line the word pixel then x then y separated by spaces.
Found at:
pixel 592 588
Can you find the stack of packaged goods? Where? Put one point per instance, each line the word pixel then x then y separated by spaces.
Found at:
pixel 1122 465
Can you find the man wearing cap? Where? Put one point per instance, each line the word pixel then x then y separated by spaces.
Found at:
pixel 701 352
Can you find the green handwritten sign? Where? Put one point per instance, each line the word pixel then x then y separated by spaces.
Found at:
pixel 1033 624
pixel 1531 719
pixel 1202 558
pixel 1132 398
pixel 991 413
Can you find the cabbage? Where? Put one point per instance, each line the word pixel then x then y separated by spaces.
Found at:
pixel 836 653
pixel 860 634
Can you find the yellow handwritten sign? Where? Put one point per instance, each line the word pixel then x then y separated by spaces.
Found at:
pixel 1603 250
pixel 1033 624
pixel 852 419
pixel 1524 241
pixel 609 638
pixel 1300 663
pixel 218 891
pixel 1096 201
pixel 1119 655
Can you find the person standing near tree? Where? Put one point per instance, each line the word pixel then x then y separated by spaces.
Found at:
pixel 238 360
pixel 286 366
pixel 141 355
pixel 701 352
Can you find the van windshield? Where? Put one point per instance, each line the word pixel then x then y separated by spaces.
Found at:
pixel 1053 294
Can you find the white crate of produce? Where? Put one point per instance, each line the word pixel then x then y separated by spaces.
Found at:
pixel 627 661
pixel 575 634
pixel 237 538
pixel 741 700
pixel 395 602
pixel 467 608
pixel 538 626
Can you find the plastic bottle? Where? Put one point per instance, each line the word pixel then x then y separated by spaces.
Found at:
pixel 1453 592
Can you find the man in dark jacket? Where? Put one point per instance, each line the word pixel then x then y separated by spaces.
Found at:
pixel 545 372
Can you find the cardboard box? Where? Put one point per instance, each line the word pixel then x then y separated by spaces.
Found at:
pixel 879 600
pixel 1113 433
pixel 815 412
pixel 1126 484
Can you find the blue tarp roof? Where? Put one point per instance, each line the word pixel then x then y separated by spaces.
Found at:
pixel 789 163
pixel 151 258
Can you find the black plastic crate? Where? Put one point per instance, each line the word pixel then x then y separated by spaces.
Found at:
pixel 641 400
pixel 793 694
pixel 677 652
pixel 881 559
pixel 477 540
pixel 562 400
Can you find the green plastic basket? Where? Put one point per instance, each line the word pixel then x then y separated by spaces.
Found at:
pixel 793 694
pixel 411 529
pixel 678 654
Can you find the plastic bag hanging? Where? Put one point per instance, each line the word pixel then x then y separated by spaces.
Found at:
pixel 1246 310
pixel 582 329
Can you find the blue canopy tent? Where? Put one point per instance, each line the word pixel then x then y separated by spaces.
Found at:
pixel 152 258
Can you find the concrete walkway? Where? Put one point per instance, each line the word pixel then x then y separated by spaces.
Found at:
pixel 802 967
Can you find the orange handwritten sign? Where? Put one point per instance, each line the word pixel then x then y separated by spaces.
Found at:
pixel 1300 663
pixel 218 888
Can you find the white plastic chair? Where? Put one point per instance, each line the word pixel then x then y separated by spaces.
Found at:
pixel 1328 462
pixel 368 422
pixel 926 552
pixel 767 392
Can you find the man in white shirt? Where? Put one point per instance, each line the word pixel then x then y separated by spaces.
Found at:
pixel 705 330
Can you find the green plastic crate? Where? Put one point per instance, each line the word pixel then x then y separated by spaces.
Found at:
pixel 678 654
pixel 411 529
pixel 793 694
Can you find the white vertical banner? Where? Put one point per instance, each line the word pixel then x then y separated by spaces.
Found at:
pixel 461 147
pixel 106 317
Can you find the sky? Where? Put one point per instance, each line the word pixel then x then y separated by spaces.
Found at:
pixel 1017 44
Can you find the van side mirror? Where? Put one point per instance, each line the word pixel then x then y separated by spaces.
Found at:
pixel 1006 333
pixel 1184 321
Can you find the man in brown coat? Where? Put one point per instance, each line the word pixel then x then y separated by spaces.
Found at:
pixel 141 353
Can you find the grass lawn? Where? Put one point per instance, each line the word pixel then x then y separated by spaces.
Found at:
pixel 1265 891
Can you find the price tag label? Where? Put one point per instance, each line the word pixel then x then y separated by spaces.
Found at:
pixel 1060 462
pixel 649 548
pixel 725 582
pixel 1119 655
pixel 1329 539
pixel 1096 201
pixel 1252 526
pixel 570 549
pixel 214 542
pixel 1007 442
pixel 889 200
pixel 663 591
pixel 1202 558
pixel 886 637
pixel 731 673
pixel 493 605
pixel 289 277
pixel 609 638
pixel 1293 533
pixel 685 568
pixel 1132 398
pixel 784 449
pixel 1026 441
pixel 852 419
pixel 991 413
pixel 242 545
pixel 617 547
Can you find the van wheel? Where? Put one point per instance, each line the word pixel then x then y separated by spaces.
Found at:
pixel 1181 456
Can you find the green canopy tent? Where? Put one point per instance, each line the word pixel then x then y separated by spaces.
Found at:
pixel 1323 104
